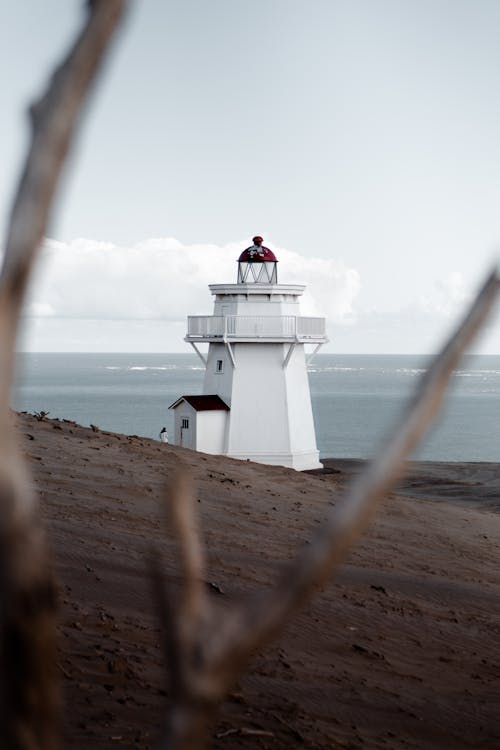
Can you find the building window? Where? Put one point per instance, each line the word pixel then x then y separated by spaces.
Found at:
pixel 185 423
pixel 220 366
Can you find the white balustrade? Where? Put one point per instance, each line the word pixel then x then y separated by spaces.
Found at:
pixel 288 327
pixel 310 327
pixel 205 325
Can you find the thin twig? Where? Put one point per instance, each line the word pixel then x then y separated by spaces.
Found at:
pixel 259 617
pixel 234 634
pixel 181 506
pixel 187 625
pixel 29 700
pixel 54 119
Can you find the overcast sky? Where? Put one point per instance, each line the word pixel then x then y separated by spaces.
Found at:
pixel 359 137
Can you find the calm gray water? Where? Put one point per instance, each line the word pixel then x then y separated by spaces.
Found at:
pixel 355 398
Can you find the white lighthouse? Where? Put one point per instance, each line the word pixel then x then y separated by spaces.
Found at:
pixel 256 402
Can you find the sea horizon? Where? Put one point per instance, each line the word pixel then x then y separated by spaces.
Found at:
pixel 355 397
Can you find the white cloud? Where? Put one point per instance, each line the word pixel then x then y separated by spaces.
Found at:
pixel 449 296
pixel 332 288
pixel 39 310
pixel 96 296
pixel 164 279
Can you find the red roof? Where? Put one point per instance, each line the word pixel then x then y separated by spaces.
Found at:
pixel 255 254
pixel 202 403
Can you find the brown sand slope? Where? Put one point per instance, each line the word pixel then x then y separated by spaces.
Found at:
pixel 401 650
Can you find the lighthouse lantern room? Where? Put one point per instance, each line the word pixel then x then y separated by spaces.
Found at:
pixel 256 402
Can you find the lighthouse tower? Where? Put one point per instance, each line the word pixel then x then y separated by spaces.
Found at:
pixel 256 402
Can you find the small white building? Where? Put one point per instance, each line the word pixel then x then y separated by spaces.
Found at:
pixel 200 423
pixel 255 370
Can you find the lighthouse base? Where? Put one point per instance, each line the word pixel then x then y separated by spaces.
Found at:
pixel 299 461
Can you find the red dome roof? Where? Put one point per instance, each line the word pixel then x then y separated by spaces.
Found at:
pixel 257 254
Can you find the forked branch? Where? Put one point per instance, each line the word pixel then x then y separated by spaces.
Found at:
pixel 209 648
pixel 54 121
pixel 350 516
pixel 28 684
pixel 226 640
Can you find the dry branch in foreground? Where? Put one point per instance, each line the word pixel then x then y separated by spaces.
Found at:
pixel 29 699
pixel 209 648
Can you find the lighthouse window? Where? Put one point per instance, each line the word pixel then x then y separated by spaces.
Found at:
pixel 185 423
pixel 220 366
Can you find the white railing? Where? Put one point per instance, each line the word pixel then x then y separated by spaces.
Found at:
pixel 310 327
pixel 255 327
pixel 204 325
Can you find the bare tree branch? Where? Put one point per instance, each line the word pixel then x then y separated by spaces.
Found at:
pixel 229 638
pixel 181 620
pixel 186 622
pixel 29 700
pixel 208 648
pixel 54 121
pixel 259 618
pixel 193 601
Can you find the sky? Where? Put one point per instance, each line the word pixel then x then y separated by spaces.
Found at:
pixel 359 137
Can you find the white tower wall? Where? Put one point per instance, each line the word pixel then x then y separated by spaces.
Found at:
pixel 271 416
pixel 300 419
pixel 259 423
pixel 216 382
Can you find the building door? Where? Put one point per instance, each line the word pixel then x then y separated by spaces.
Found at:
pixel 185 433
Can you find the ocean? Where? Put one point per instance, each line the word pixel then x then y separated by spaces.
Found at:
pixel 355 398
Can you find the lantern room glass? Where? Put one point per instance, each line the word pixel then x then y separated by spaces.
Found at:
pixel 257 272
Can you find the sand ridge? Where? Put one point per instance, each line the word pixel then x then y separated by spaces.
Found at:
pixel 399 650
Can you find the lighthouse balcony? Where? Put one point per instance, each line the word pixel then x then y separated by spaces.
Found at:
pixel 256 328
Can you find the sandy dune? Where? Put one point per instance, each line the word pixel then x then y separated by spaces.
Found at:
pixel 401 650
